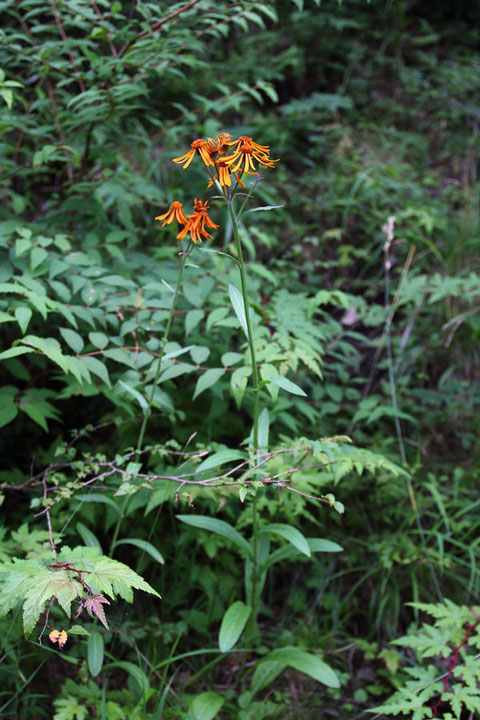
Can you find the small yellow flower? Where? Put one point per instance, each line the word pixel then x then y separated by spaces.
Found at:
pixel 174 213
pixel 197 223
pixel 203 148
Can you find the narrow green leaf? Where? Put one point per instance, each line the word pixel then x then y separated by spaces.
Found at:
pixel 288 385
pixel 209 378
pixel 134 671
pixel 233 624
pixel 138 397
pixel 264 208
pixel 289 533
pixel 95 653
pixel 13 352
pixel 143 545
pixel 88 537
pixel 304 662
pixel 236 299
pixel 220 527
pixel 97 497
pixel 220 458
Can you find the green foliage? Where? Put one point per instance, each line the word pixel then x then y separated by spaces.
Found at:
pixel 454 631
pixel 365 484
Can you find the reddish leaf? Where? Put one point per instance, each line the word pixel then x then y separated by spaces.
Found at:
pixel 93 605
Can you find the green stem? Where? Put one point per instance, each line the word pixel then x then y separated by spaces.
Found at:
pixel 250 634
pixel 143 427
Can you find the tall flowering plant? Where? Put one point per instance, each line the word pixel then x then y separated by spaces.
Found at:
pixel 234 167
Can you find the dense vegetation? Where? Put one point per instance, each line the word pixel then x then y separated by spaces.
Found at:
pixel 275 430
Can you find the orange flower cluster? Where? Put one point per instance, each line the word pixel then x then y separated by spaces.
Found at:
pixel 242 154
pixel 195 223
pixel 223 159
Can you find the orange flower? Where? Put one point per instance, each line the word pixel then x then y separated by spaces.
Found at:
pixel 223 174
pixel 220 145
pixel 203 148
pixel 245 152
pixel 174 213
pixel 197 223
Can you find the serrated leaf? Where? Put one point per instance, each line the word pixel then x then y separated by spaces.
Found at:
pixel 94 606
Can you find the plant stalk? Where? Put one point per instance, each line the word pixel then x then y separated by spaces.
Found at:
pixel 143 427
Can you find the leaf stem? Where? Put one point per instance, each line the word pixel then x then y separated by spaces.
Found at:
pixel 250 634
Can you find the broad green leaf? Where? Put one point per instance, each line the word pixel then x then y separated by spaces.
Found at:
pixel 98 339
pixel 88 537
pixel 37 256
pixel 231 358
pixel 78 630
pixel 236 298
pixel 233 624
pixel 207 705
pixel 199 353
pixel 288 385
pixel 192 319
pixel 304 662
pixel 8 410
pixel 97 367
pixel 23 315
pixel 73 339
pixel 143 545
pixel 220 527
pixel 209 378
pixel 95 653
pixel 220 458
pixel 289 533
